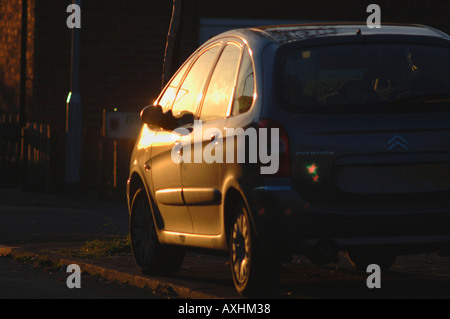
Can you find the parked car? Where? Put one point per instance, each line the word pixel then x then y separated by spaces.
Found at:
pixel 297 139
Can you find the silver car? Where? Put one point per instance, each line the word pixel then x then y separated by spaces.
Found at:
pixel 297 139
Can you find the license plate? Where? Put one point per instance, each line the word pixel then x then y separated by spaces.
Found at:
pixel 406 178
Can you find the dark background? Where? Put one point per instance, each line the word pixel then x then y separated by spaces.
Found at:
pixel 122 54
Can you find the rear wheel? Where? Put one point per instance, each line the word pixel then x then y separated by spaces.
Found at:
pixel 151 257
pixel 255 271
pixel 361 258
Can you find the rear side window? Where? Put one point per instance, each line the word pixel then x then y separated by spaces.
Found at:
pixel 354 76
pixel 190 91
pixel 218 96
pixel 245 87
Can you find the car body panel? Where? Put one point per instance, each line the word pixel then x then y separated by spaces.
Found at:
pixel 201 183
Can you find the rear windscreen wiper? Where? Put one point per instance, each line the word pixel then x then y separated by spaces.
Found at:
pixel 421 98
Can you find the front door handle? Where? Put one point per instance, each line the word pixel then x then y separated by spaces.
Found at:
pixel 180 151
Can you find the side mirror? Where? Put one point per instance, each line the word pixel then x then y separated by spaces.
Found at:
pixel 152 115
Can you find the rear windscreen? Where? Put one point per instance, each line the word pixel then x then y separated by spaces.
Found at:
pixel 358 75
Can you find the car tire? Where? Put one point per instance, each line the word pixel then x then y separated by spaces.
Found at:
pixel 360 259
pixel 150 256
pixel 255 271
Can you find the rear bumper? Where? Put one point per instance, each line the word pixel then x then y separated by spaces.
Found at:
pixel 282 214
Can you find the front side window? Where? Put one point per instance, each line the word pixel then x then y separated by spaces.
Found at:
pixel 355 76
pixel 218 95
pixel 169 95
pixel 190 91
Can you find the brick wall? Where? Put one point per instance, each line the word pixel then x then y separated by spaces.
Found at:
pixel 10 25
pixel 30 65
pixel 10 50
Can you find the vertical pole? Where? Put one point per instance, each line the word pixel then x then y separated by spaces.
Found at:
pixel 171 38
pixel 115 164
pixel 48 150
pixel 74 118
pixel 101 179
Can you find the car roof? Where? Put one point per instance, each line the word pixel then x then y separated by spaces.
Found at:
pixel 297 32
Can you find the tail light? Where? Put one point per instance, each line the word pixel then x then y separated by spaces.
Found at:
pixel 284 169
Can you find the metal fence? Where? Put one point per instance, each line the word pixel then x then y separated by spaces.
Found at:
pixel 10 150
pixel 35 156
pixel 30 157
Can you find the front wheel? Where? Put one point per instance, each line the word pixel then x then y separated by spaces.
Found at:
pixel 151 257
pixel 255 270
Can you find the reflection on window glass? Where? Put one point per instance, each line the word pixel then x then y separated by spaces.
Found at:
pixel 362 75
pixel 190 92
pixel 169 95
pixel 243 98
pixel 218 95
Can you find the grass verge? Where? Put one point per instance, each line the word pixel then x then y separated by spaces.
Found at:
pixel 38 261
pixel 100 248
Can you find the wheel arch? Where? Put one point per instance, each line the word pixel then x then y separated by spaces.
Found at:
pixel 136 182
pixel 232 196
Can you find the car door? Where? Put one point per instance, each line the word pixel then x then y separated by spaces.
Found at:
pixel 201 173
pixel 166 173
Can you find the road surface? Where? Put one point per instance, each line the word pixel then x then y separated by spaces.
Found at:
pixel 23 281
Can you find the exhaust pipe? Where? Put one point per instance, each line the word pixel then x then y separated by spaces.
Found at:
pixel 324 252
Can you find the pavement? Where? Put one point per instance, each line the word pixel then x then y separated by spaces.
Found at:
pixel 44 225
